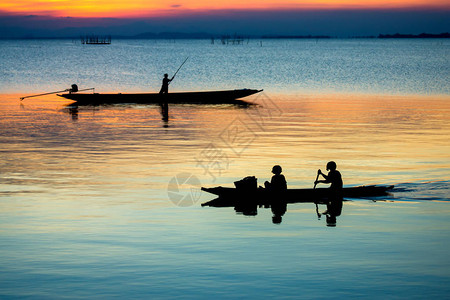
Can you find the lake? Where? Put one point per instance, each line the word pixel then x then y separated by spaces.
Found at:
pixel 104 201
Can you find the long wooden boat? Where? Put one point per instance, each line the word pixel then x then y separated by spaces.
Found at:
pixel 206 97
pixel 229 197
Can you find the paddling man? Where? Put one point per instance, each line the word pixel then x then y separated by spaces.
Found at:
pixel 334 205
pixel 165 84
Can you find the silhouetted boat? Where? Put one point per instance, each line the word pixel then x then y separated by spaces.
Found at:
pixel 207 97
pixel 229 196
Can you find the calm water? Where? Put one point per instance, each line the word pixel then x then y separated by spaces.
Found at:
pixel 278 66
pixel 88 197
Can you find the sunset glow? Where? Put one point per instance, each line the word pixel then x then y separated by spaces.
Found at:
pixel 142 8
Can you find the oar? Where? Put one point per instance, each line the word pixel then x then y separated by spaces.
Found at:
pixel 66 90
pixel 179 68
pixel 21 98
pixel 317 207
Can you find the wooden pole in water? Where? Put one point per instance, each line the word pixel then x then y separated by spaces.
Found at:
pixel 317 207
pixel 21 98
pixel 66 90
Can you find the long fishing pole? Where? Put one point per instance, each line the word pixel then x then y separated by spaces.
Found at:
pixel 21 98
pixel 66 90
pixel 179 68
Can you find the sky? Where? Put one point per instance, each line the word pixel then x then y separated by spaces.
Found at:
pixel 21 18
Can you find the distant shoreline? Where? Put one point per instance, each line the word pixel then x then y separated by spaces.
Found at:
pixel 207 36
pixel 445 35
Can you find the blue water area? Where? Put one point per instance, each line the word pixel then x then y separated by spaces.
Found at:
pixel 104 201
pixel 295 66
pixel 377 250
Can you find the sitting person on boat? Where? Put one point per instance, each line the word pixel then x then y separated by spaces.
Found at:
pixel 165 84
pixel 335 198
pixel 277 186
pixel 278 182
pixel 334 177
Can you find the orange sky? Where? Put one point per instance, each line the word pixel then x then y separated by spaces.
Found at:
pixel 140 8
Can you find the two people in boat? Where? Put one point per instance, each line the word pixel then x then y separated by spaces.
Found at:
pixel 278 185
pixel 278 182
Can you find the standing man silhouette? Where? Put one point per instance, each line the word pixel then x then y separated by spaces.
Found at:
pixel 165 84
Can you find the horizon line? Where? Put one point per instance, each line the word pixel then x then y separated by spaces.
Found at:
pixel 172 35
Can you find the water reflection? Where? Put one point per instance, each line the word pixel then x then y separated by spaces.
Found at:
pixel 73 111
pixel 74 189
pixel 164 106
pixel 334 209
pixel 248 205
pixel 279 208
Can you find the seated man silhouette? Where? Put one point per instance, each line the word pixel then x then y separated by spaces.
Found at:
pixel 277 186
pixel 335 198
pixel 278 182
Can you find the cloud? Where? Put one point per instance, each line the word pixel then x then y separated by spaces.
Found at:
pixel 340 23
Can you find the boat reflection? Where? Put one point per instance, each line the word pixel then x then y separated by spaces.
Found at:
pixel 248 205
pixel 110 110
pixel 73 110
pixel 250 208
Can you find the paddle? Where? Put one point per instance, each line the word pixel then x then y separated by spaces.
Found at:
pixel 317 207
pixel 179 69
pixel 66 90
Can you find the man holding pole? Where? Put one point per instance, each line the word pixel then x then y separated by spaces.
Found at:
pixel 166 81
pixel 165 84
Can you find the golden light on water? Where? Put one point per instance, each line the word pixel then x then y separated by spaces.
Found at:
pixel 85 193
pixel 374 139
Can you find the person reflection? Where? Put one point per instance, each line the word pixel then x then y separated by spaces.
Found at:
pixel 73 111
pixel 335 197
pixel 279 207
pixel 276 190
pixel 164 106
pixel 334 209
